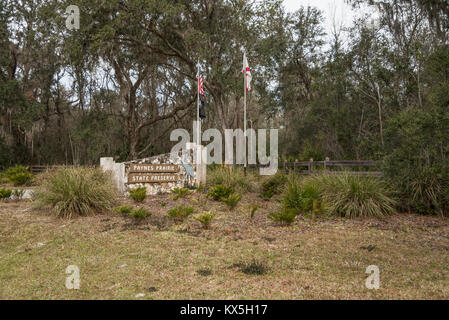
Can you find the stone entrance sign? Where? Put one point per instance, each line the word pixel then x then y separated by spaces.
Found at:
pixel 158 174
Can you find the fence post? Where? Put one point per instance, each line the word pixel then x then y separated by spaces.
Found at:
pixel 311 165
pixel 325 163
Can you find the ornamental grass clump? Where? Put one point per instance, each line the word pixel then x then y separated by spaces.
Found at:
pixel 356 196
pixel 76 191
pixel 344 195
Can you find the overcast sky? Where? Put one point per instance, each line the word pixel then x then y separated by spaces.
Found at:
pixel 330 8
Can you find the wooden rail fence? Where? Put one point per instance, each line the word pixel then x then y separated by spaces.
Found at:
pixel 329 166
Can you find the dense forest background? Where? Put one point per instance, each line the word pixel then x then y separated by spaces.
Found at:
pixel 118 85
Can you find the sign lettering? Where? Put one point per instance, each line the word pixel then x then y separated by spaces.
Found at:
pixel 142 168
pixel 151 178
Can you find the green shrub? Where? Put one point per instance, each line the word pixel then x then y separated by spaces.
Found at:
pixel 416 162
pixel 180 193
pixel 140 213
pixel 5 193
pixel 311 150
pixel 19 175
pixel 3 178
pixel 284 216
pixel 305 195
pixel 267 194
pixel 181 212
pixel 356 196
pixel 232 200
pixel 291 197
pixel 220 192
pixel 123 209
pixel 139 194
pixel 273 185
pixel 205 219
pixel 427 192
pixel 310 195
pixel 231 177
pixel 129 210
pixel 76 191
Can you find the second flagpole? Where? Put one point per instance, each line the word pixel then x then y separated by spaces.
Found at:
pixel 244 108
pixel 198 128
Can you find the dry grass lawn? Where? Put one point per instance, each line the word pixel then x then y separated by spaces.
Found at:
pixel 120 258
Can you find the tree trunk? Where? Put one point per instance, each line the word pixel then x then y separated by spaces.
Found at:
pixel 379 105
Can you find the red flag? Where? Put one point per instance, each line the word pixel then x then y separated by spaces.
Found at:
pixel 247 73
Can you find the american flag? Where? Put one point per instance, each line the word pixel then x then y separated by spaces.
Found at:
pixel 202 98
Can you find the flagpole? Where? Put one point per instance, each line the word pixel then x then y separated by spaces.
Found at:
pixel 244 107
pixel 198 150
pixel 198 141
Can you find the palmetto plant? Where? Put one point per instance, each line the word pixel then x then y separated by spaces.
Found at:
pixel 139 194
pixel 220 192
pixel 232 200
pixel 205 219
pixel 179 213
pixel 140 213
pixel 284 216
pixel 123 209
pixel 180 193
